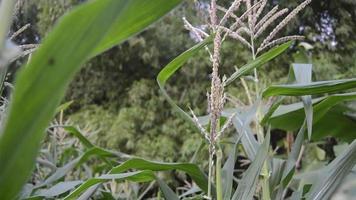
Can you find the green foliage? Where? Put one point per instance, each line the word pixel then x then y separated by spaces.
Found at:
pixel 133 129
pixel 53 66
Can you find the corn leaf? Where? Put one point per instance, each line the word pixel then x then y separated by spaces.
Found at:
pixel 57 189
pixel 140 164
pixel 139 176
pixel 168 71
pixel 326 110
pixel 258 62
pixel 41 84
pixel 303 75
pixel 167 192
pixel 332 176
pixel 228 171
pixel 136 15
pixel 314 88
pixel 248 183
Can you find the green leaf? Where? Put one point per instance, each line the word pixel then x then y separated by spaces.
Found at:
pixel 166 73
pixel 228 171
pixel 64 170
pixel 258 62
pixel 136 15
pixel 288 172
pixel 140 164
pixel 56 190
pixel 332 176
pixel 87 30
pixel 303 75
pixel 167 192
pixel 241 123
pixel 64 106
pixel 248 183
pixel 139 176
pixel 326 111
pixel 313 88
pixel 75 132
pixel 278 101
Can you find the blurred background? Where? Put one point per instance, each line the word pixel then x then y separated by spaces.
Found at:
pixel 117 100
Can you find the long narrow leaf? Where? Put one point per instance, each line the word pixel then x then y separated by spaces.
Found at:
pixel 248 183
pixel 331 178
pixel 258 62
pixel 140 164
pixel 139 176
pixel 41 85
pixel 326 109
pixel 166 73
pixel 137 15
pixel 303 75
pixel 167 192
pixel 314 88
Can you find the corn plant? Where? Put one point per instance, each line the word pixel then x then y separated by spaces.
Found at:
pixel 98 25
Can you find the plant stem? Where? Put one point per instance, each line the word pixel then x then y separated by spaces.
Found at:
pixel 219 195
pixel 210 170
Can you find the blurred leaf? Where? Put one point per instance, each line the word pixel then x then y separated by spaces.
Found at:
pixel 134 17
pixel 277 166
pixel 332 176
pixel 139 176
pixel 314 88
pixel 57 189
pixel 43 81
pixel 62 171
pixel 140 164
pixel 167 192
pixel 248 183
pixel 63 106
pixel 166 73
pixel 259 61
pixel 75 132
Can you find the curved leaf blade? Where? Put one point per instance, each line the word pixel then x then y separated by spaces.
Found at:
pixel 43 82
pixel 137 15
pixel 168 71
pixel 140 164
pixel 258 62
pixel 139 176
pixel 313 88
